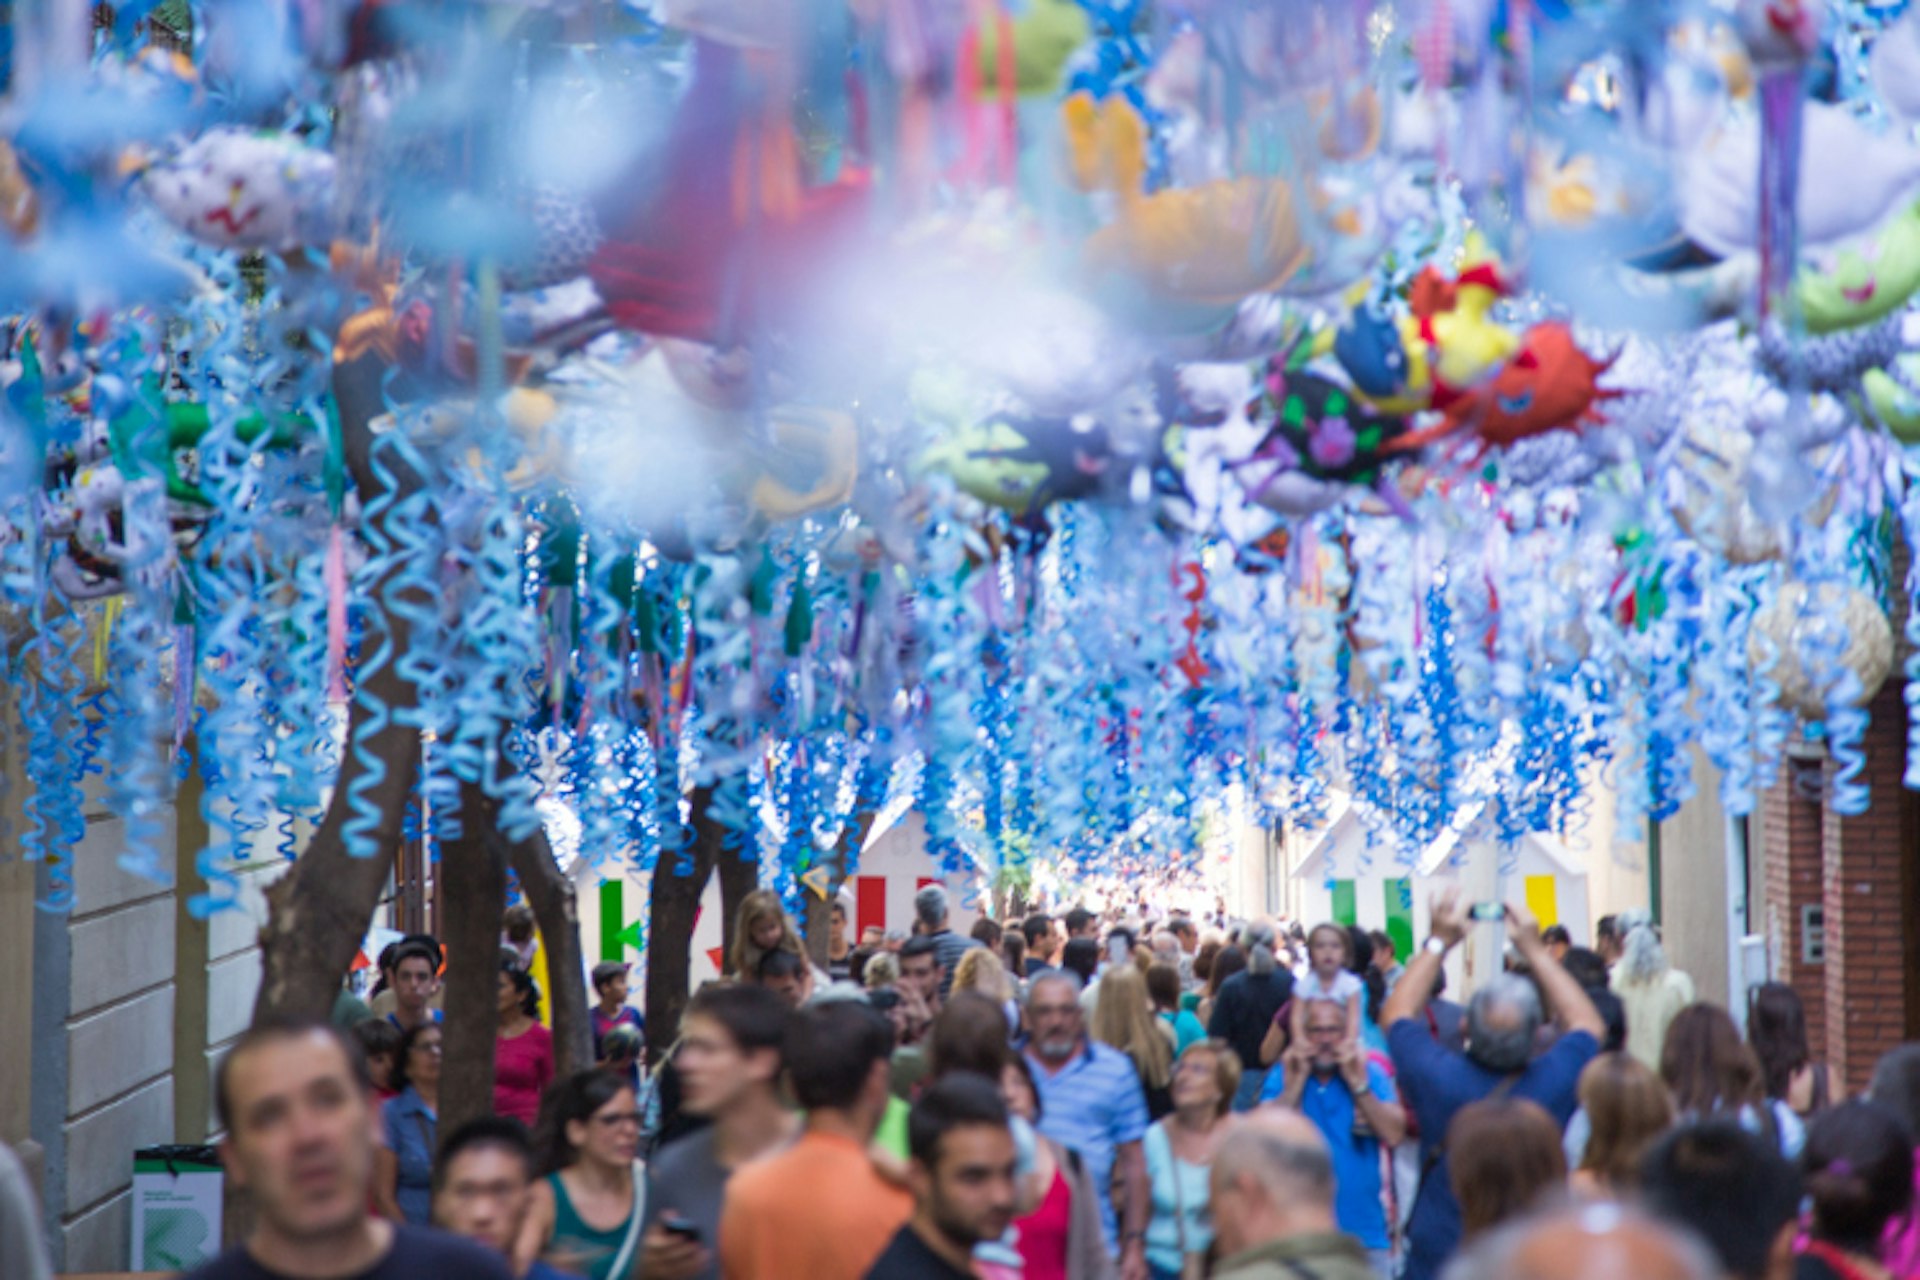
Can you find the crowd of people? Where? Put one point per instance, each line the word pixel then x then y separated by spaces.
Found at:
pixel 1087 1098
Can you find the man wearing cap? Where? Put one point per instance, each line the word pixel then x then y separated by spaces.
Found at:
pixel 610 984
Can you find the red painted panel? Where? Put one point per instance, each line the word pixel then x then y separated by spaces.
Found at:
pixel 870 904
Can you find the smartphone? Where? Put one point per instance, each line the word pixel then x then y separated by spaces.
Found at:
pixel 1488 911
pixel 675 1225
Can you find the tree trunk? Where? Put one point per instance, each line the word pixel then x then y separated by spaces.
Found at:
pixel 473 893
pixel 318 912
pixel 556 910
pixel 819 921
pixel 739 876
pixel 673 907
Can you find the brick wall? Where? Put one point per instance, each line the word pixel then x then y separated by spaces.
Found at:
pixel 1792 840
pixel 1866 910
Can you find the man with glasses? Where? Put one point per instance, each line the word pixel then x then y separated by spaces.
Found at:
pixel 1351 1100
pixel 1091 1102
pixel 729 1067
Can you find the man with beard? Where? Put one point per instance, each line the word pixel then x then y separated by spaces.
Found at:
pixel 962 1176
pixel 1501 1024
pixel 296 1104
pixel 1091 1102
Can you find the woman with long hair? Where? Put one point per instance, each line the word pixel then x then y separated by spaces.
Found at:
pixel 1210 947
pixel 1163 988
pixel 1179 1150
pixel 1058 1206
pixel 1896 1086
pixel 761 925
pixel 1711 1072
pixel 404 1191
pixel 1503 1158
pixel 1627 1108
pixel 1777 1034
pixel 1227 961
pixel 1013 952
pixel 980 970
pixel 1123 1018
pixel 1858 1163
pixel 1651 990
pixel 523 1051
pixel 587 1212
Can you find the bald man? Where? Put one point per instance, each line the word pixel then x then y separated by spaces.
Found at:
pixel 1273 1204
pixel 1585 1242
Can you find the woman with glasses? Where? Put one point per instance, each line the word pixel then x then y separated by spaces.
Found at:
pixel 587 1212
pixel 404 1188
pixel 1180 1151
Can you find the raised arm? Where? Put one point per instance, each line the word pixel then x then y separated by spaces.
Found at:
pixel 1568 998
pixel 1409 996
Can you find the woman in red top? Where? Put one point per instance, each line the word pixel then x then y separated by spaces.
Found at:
pixel 523 1055
pixel 1059 1233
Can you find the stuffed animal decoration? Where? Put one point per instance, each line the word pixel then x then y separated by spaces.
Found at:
pixel 1868 654
pixel 238 189
pixel 19 206
pixel 1779 32
pixel 1181 256
pixel 1322 443
pixel 1550 384
pixel 1385 358
pixel 1862 280
pixel 1852 178
pixel 1466 343
pixel 1024 463
pixel 732 188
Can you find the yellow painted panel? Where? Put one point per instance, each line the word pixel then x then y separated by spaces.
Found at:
pixel 1543 899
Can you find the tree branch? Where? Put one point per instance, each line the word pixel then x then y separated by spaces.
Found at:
pixel 673 904
pixel 556 910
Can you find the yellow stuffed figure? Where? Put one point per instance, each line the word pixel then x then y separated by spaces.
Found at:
pixel 1467 343
pixel 1196 249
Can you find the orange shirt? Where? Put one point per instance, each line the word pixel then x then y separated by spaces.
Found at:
pixel 817 1209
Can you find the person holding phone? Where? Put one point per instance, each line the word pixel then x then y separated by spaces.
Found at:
pixel 729 1063
pixel 1437 1083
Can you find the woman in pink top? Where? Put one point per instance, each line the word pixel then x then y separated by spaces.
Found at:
pixel 523 1055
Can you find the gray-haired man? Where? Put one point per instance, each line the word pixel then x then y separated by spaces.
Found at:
pixel 1437 1082
pixel 930 910
pixel 1272 1204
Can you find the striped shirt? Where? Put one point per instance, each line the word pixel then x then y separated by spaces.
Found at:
pixel 1094 1105
pixel 950 947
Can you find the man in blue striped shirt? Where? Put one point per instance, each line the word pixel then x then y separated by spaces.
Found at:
pixel 1092 1102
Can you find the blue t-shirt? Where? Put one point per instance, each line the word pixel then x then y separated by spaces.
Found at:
pixel 1187 1029
pixel 1328 1102
pixel 411 1125
pixel 1437 1083
pixel 1093 1105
